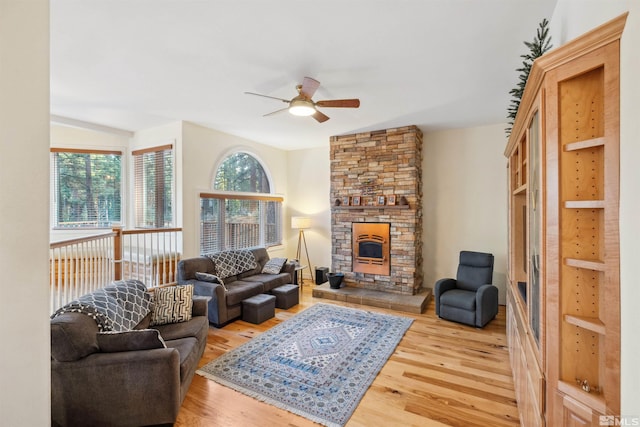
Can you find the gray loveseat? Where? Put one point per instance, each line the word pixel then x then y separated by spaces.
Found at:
pixel 127 378
pixel 241 280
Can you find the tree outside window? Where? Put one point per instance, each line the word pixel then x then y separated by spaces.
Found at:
pixel 232 221
pixel 87 188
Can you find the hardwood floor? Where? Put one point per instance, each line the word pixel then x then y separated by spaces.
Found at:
pixel 441 374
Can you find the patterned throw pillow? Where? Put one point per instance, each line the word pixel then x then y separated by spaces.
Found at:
pixel 172 304
pixel 134 340
pixel 274 266
pixel 245 261
pixel 211 278
pixel 225 263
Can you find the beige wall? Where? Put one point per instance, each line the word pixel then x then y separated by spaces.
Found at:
pixel 571 19
pixel 465 200
pixel 308 194
pixel 203 150
pixel 24 210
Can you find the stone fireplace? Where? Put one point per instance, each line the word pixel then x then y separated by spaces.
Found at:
pixel 376 178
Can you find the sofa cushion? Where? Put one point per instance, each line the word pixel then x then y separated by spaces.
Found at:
pixel 241 289
pixel 73 336
pixel 172 304
pixel 274 266
pixel 460 298
pixel 270 281
pixel 197 327
pixel 138 339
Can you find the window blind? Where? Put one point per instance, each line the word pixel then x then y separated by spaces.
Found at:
pixel 86 188
pixel 153 187
pixel 239 221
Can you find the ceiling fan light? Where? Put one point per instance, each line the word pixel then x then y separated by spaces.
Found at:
pixel 301 107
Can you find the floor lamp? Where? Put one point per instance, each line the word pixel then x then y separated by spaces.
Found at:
pixel 301 223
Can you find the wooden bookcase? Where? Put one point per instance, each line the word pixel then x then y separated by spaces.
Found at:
pixel 563 314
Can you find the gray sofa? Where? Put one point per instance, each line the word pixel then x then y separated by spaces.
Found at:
pixel 225 304
pixel 127 378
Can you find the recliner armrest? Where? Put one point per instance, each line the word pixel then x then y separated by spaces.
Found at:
pixel 442 286
pixel 486 304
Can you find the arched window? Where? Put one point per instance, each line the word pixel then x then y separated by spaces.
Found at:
pixel 241 172
pixel 229 220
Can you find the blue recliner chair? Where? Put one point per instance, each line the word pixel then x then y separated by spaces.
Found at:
pixel 470 298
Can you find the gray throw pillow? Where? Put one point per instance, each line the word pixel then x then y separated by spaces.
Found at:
pixel 211 278
pixel 134 340
pixel 274 266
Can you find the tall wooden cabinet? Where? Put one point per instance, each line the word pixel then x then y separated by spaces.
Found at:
pixel 563 293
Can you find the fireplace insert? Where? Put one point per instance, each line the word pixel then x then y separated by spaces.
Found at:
pixel 371 247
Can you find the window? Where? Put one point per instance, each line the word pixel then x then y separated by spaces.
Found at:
pixel 86 188
pixel 153 177
pixel 241 172
pixel 234 221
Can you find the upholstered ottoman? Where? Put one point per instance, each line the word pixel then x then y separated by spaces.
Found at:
pixel 258 308
pixel 286 296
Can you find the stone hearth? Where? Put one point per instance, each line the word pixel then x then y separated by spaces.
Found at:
pixel 368 171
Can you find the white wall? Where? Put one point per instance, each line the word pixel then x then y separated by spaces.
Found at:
pixel 308 194
pixel 24 209
pixel 571 19
pixel 203 150
pixel 464 200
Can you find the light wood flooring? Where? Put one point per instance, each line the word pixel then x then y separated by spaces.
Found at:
pixel 441 374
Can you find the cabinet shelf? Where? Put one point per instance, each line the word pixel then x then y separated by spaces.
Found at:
pixel 584 204
pixel 590 323
pixel 520 189
pixel 580 145
pixel 583 263
pixel 593 400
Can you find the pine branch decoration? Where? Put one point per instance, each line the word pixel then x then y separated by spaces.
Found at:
pixel 537 48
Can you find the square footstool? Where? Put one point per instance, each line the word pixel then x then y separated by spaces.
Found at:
pixel 286 296
pixel 258 308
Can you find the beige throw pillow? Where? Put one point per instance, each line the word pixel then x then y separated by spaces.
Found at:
pixel 172 304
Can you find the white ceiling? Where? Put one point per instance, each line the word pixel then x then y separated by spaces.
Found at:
pixel 437 64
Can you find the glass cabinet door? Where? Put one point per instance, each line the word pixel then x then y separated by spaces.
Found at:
pixel 535 222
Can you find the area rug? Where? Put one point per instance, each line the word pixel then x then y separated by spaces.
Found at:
pixel 318 364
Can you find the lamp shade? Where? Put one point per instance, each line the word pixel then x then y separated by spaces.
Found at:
pixel 299 222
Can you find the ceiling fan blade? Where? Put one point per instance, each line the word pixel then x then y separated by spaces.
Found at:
pixel 276 112
pixel 344 103
pixel 320 117
pixel 309 86
pixel 267 96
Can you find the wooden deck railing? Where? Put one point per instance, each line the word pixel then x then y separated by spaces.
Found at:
pixel 79 266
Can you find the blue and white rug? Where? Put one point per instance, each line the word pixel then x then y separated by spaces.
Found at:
pixel 317 364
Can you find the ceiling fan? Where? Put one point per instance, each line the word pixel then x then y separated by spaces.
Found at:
pixel 303 105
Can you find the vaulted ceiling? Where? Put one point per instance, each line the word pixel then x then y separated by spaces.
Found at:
pixel 437 64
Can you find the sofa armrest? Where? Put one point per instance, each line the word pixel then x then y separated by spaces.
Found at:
pixel 142 387
pixel 217 305
pixel 200 304
pixel 290 267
